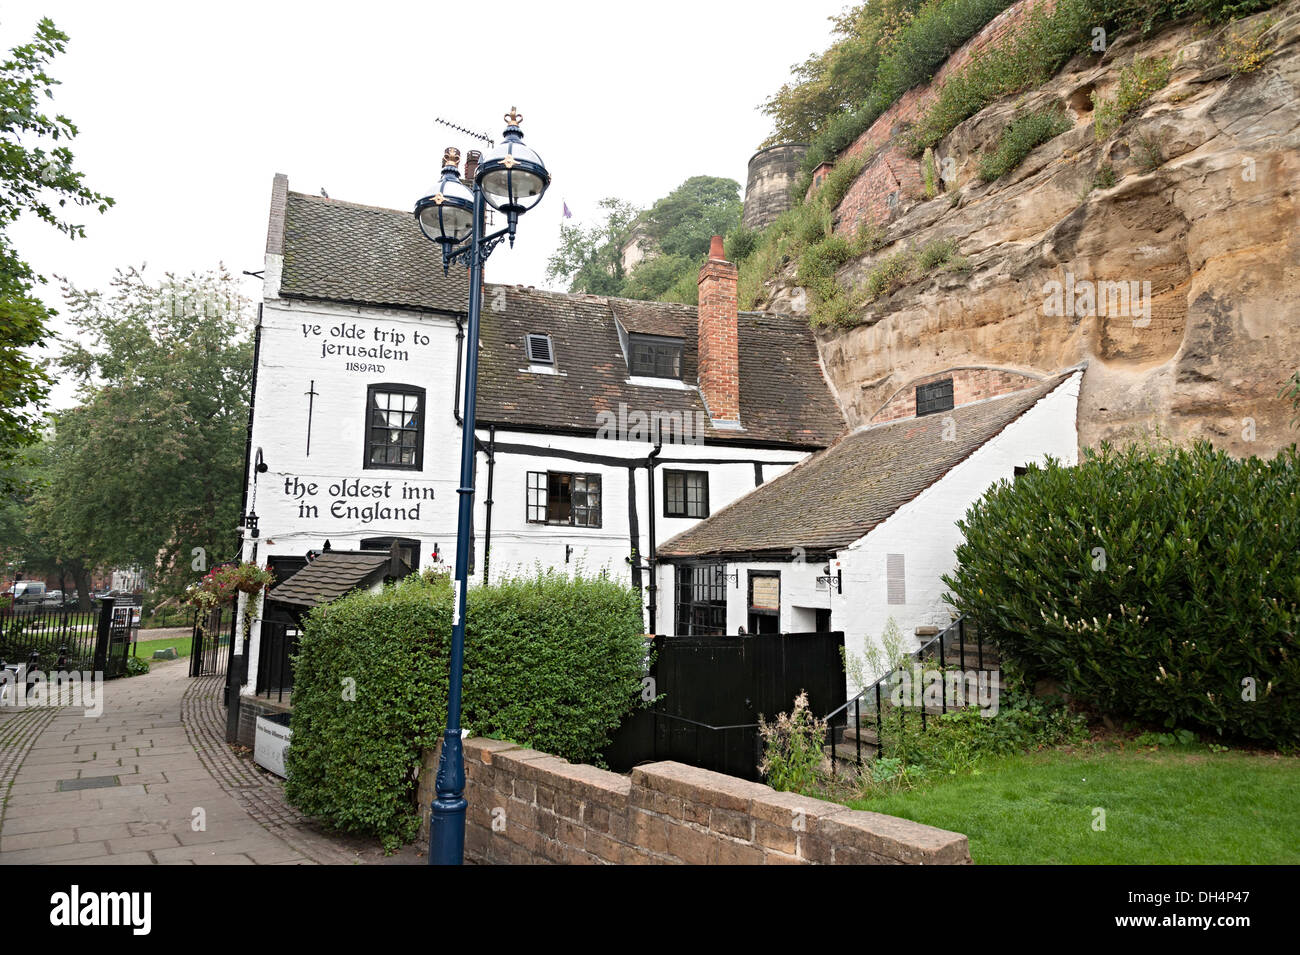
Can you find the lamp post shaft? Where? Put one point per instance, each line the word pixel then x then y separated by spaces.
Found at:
pixel 447 815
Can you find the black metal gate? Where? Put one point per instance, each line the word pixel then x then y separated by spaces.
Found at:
pixel 214 635
pixel 715 689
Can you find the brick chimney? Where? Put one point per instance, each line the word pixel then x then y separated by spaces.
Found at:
pixel 471 166
pixel 719 357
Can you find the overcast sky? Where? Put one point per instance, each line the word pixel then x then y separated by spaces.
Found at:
pixel 186 111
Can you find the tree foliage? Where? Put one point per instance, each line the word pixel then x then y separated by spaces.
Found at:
pixel 36 177
pixel 674 233
pixel 149 465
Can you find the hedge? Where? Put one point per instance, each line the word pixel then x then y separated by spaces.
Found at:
pixel 1156 583
pixel 552 662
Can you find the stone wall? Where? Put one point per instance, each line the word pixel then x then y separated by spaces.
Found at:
pixel 772 171
pixel 526 807
pixel 891 175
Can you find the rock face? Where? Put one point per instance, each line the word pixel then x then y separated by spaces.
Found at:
pixel 1175 280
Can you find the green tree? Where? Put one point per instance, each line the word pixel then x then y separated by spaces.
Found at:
pixel 840 77
pixel 683 222
pixel 590 258
pixel 149 466
pixel 36 177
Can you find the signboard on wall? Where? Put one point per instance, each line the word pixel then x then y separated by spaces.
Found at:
pixel 765 593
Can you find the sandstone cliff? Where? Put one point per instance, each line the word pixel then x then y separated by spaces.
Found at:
pixel 1203 207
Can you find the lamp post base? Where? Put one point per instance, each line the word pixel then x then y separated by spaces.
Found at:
pixel 447 814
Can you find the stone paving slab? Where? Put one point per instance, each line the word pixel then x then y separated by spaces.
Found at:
pixel 180 795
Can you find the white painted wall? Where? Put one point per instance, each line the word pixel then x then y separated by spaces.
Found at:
pixel 924 531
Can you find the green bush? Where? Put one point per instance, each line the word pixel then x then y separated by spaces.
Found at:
pixel 1020 138
pixel 550 662
pixel 1138 82
pixel 1149 582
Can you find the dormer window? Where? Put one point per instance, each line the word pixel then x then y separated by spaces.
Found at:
pixel 540 351
pixel 653 357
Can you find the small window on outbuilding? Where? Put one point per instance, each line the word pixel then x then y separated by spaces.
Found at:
pixel 933 397
pixel 540 351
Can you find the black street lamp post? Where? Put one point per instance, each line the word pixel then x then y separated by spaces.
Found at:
pixel 511 179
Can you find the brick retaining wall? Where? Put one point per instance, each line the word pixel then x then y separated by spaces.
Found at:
pixel 526 807
pixel 891 176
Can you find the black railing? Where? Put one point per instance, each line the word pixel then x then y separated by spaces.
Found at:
pixel 213 636
pixel 939 648
pixel 49 639
pixel 276 648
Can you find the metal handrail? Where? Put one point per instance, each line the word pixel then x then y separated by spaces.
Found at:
pixel 958 625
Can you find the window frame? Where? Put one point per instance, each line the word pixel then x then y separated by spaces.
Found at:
pixel 933 402
pixel 368 443
pixel 655 342
pixel 686 501
pixel 538 496
pixel 688 583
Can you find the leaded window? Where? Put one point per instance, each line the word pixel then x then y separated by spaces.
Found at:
pixel 686 494
pixel 395 427
pixel 655 359
pixel 934 397
pixel 702 600
pixel 556 497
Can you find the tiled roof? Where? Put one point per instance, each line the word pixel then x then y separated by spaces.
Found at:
pixel 837 496
pixel 648 318
pixel 329 576
pixel 364 255
pixel 344 252
pixel 784 398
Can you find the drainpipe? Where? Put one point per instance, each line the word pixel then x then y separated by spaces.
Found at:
pixel 654 572
pixel 487 529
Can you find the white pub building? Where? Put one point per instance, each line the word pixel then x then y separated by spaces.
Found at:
pixel 699 454
pixel 604 425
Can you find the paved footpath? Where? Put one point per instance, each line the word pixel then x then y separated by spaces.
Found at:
pixel 176 793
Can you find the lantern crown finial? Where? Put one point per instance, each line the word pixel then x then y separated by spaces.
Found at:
pixel 451 157
pixel 514 117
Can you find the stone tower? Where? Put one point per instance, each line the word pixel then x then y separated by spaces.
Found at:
pixel 772 171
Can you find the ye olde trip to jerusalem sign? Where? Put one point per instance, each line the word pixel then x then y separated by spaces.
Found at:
pixel 353 340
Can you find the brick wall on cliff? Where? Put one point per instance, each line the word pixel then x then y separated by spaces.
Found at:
pixel 891 175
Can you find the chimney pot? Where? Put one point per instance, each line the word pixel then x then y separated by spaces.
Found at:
pixel 715 249
pixel 471 164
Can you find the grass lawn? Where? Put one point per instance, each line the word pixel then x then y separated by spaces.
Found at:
pixel 145 648
pixel 1172 806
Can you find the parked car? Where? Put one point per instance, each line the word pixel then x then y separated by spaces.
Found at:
pixel 52 598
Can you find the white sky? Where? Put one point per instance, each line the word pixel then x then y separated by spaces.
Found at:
pixel 186 111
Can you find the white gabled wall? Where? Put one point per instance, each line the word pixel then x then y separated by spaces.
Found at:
pixel 924 531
